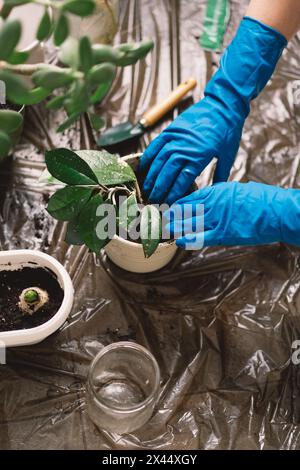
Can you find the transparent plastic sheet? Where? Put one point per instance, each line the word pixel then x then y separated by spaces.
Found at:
pixel 220 322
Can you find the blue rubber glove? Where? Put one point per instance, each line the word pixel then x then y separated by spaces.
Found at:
pixel 237 214
pixel 213 127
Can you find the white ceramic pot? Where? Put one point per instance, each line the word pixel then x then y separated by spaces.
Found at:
pixel 16 259
pixel 130 256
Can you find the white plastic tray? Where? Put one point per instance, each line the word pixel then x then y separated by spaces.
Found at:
pixel 16 259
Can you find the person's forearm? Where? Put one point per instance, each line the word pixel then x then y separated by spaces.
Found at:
pixel 283 15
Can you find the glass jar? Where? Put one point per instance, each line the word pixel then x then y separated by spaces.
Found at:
pixel 122 387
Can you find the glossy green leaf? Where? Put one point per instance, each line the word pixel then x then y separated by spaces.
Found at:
pixel 88 222
pixel 61 30
pixel 5 144
pixel 104 165
pixel 69 168
pixel 45 27
pixel 10 34
pixel 80 8
pixel 151 229
pixel 10 121
pixel 109 169
pixel 67 202
pixel 52 77
pixel 85 54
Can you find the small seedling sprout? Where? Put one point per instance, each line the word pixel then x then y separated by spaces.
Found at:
pixel 31 296
pixel 32 299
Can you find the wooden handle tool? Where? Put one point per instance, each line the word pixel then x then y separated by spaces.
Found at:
pixel 158 111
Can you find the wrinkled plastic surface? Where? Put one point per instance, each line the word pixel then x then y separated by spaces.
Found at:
pixel 220 322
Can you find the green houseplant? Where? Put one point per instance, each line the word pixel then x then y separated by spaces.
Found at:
pixel 79 82
pixel 101 190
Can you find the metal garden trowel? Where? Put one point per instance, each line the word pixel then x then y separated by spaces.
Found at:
pixel 127 130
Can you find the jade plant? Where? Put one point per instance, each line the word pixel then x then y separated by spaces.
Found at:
pixel 80 80
pixel 100 189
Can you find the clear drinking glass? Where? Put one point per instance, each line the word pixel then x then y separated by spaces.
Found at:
pixel 122 387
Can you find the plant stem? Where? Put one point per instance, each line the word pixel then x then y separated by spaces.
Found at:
pixel 22 69
pixel 113 191
pixel 138 193
pixel 30 69
pixel 94 186
pixel 102 187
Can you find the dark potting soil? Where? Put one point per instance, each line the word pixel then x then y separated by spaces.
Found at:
pixel 12 283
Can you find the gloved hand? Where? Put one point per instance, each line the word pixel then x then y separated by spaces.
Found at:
pixel 237 214
pixel 213 127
